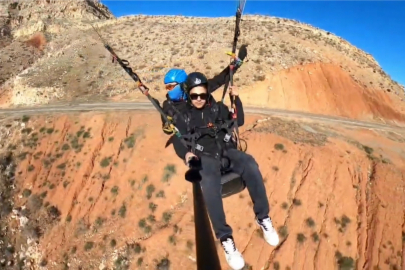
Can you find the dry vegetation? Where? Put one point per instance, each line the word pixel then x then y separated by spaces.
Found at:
pixel 89 190
pixel 78 67
pixel 81 190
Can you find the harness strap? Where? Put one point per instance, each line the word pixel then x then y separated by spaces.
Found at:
pixel 190 140
pixel 177 112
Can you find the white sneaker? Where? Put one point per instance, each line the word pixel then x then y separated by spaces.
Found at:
pixel 232 254
pixel 269 233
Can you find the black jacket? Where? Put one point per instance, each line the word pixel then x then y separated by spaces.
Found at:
pixel 171 108
pixel 200 118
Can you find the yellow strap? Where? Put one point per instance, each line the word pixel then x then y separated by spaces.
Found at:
pixel 170 128
pixel 174 129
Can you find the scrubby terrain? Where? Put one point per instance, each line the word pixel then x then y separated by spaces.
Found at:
pixel 100 191
pixel 290 65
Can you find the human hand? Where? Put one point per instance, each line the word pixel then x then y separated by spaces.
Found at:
pixel 233 90
pixel 189 156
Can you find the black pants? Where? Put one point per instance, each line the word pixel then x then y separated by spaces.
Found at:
pixel 244 165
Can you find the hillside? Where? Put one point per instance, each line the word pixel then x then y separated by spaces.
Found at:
pixel 99 190
pixel 291 65
pixel 89 190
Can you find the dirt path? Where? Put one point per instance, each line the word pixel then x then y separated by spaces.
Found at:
pixel 125 106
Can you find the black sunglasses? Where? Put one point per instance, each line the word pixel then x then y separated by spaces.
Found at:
pixel 202 96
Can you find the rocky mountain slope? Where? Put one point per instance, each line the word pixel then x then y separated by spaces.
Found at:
pixel 23 17
pixel 288 60
pixel 100 191
pixel 22 22
pixel 88 191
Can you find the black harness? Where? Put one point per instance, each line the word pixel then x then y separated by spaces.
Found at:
pixel 213 130
pixel 176 111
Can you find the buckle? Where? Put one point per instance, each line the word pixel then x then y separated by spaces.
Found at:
pixel 199 147
pixel 227 137
pixel 167 127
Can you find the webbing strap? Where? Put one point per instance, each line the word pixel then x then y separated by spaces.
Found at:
pixel 177 112
pixel 191 139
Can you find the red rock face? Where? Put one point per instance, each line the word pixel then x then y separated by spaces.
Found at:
pixel 324 89
pixel 108 186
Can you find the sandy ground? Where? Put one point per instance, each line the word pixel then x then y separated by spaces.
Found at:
pixel 336 195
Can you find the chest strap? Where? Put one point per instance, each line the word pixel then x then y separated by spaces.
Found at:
pixel 190 140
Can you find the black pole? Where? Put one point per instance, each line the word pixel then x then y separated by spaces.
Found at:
pixel 207 255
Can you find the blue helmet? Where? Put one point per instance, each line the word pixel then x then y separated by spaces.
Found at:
pixel 175 76
pixel 178 76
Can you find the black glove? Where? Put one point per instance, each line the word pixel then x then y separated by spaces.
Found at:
pixel 193 174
